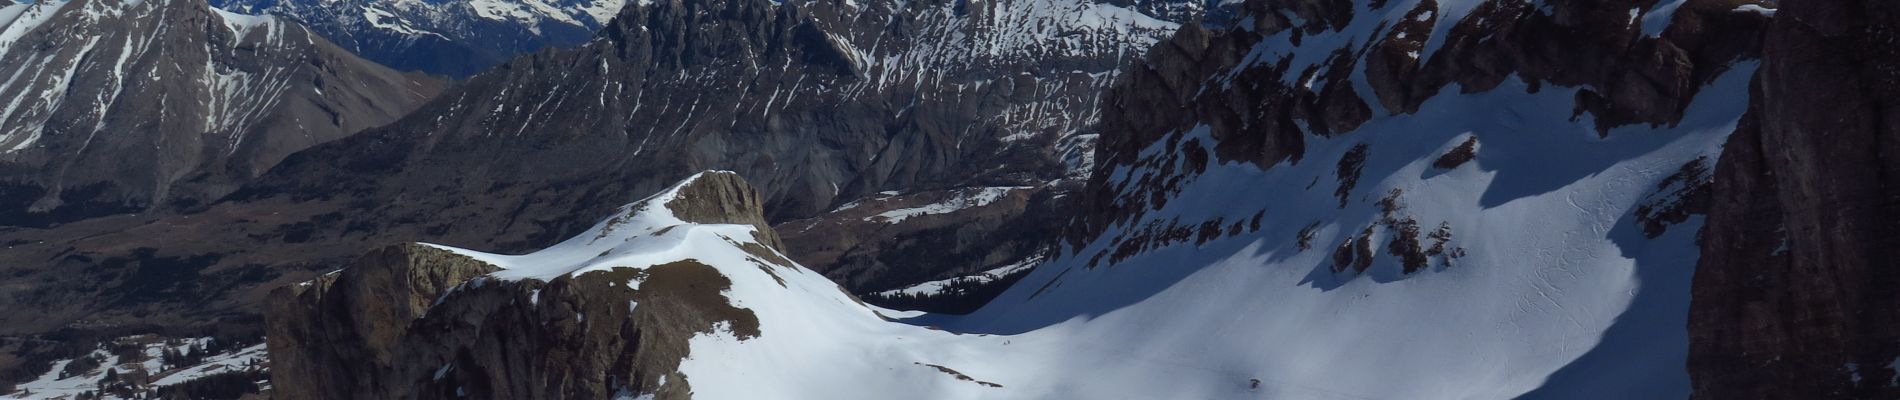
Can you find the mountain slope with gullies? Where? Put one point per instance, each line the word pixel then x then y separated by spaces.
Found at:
pixel 120 106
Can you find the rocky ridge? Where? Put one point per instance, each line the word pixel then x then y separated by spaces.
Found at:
pixel 420 321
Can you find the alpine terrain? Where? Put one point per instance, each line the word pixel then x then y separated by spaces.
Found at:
pixel 1005 199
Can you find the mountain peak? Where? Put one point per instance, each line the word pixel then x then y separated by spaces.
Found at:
pixel 719 197
pixel 633 292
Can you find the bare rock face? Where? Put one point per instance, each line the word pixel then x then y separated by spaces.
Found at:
pixel 121 106
pixel 723 198
pixel 1795 293
pixel 419 322
pixel 361 313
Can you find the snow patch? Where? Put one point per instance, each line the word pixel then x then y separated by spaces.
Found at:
pixel 963 199
pixel 1756 8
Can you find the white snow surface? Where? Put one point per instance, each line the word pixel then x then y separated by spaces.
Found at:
pixel 241 24
pixel 1756 8
pixel 1560 295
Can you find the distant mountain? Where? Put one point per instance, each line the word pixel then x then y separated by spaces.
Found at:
pixel 115 106
pixel 454 38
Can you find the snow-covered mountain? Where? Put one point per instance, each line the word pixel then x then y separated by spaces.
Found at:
pixel 682 295
pixel 1313 199
pixel 114 106
pixel 453 38
pixel 1405 199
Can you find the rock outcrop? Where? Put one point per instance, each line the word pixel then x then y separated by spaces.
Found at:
pixel 1795 293
pixel 119 106
pixel 423 322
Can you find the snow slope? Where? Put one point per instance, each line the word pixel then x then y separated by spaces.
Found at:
pixel 1552 288
pixel 1558 290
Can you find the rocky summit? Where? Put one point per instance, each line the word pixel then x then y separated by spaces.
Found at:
pixel 423 321
pixel 871 199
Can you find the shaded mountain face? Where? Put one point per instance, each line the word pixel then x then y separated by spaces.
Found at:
pixel 1794 294
pixel 449 38
pixel 119 106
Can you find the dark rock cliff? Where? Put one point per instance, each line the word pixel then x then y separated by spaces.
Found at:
pixel 1797 294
